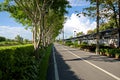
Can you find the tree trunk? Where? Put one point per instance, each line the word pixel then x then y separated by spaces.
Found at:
pixel 97 20
pixel 35 41
pixel 119 24
pixel 43 27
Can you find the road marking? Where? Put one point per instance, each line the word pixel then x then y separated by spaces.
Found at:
pixel 110 74
pixel 55 66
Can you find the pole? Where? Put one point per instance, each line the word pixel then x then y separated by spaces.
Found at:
pixel 63 35
pixel 74 33
pixel 97 36
pixel 74 38
pixel 119 24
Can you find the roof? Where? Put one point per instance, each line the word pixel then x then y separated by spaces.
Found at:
pixel 103 34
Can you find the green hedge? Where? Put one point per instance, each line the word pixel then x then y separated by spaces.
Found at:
pixel 17 63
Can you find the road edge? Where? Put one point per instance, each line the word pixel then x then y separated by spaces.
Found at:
pixel 55 65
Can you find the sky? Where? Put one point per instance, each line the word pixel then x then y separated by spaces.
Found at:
pixel 75 23
pixel 9 28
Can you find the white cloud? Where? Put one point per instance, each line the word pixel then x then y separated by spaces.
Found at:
pixel 79 2
pixel 78 24
pixel 12 32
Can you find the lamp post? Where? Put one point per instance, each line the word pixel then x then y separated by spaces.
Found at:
pixel 74 33
pixel 63 35
pixel 74 37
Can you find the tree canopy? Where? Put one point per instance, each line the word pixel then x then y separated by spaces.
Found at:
pixel 44 17
pixel 109 10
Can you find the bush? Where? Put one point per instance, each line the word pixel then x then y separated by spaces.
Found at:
pixel 83 46
pixel 76 44
pixel 68 43
pixel 84 43
pixel 102 50
pixel 17 63
pixel 92 48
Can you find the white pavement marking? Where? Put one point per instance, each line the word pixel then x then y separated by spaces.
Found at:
pixel 110 74
pixel 55 66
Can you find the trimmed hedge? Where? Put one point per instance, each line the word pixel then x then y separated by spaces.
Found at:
pixel 17 63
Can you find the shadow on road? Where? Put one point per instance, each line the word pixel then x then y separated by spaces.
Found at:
pixel 93 57
pixel 101 58
pixel 64 70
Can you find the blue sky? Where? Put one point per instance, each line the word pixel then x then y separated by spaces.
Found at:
pixel 75 23
pixel 5 19
pixel 9 28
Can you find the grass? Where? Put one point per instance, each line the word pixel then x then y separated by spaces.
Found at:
pixel 7 43
pixel 44 64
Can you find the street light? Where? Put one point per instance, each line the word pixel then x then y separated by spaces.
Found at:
pixel 74 37
pixel 74 33
pixel 63 34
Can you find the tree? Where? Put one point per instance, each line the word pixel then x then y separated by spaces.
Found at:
pixel 107 25
pixel 26 41
pixel 40 16
pixel 19 39
pixel 2 38
pixel 108 13
pixel 93 11
pixel 112 5
pixel 90 31
pixel 108 10
pixel 119 23
pixel 80 33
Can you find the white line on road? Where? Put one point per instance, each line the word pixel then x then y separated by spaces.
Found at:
pixel 110 74
pixel 55 66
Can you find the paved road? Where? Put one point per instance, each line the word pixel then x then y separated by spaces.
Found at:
pixel 73 64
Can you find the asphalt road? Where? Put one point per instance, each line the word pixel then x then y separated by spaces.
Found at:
pixel 73 64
